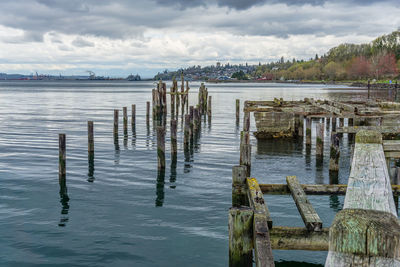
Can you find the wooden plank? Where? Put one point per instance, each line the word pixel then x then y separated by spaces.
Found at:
pixel 307 212
pixel 381 129
pixel 262 244
pixel 256 199
pixel 391 145
pixel 367 231
pixel 299 238
pixel 314 189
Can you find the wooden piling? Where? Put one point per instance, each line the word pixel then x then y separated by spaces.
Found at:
pixel 334 153
pixel 320 127
pixel 61 156
pixel 209 107
pixel 333 124
pixel 308 131
pixel 186 137
pixel 173 127
pixel 369 87
pixel 237 111
pixel 116 123
pixel 300 127
pixel 245 157
pixel 246 121
pixel 125 119
pixel 90 137
pixel 239 193
pixel 240 224
pixel 195 120
pixel 161 147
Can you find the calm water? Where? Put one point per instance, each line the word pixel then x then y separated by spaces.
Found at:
pixel 126 214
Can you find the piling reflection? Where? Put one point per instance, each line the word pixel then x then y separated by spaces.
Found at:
pixel 126 140
pixel 187 164
pixel 172 177
pixel 117 149
pixel 133 136
pixel 334 203
pixel 64 199
pixel 281 147
pixel 160 187
pixel 308 156
pixel 91 167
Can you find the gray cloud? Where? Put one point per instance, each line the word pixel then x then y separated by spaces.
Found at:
pixel 80 42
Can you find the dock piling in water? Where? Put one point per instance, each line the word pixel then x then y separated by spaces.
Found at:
pixel 133 117
pixel 115 123
pixel 61 156
pixel 239 193
pixel 308 131
pixel 90 137
pixel 320 127
pixel 161 147
pixel 125 120
pixel 240 224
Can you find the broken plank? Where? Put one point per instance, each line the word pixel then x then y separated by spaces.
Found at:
pixel 307 212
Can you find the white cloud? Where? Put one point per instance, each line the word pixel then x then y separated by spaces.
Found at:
pixel 118 38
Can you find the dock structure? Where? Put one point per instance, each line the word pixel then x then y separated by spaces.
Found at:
pixel 279 118
pixel 366 232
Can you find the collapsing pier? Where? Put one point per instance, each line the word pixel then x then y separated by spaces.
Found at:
pixel 366 232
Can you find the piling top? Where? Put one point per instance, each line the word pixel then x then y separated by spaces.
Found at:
pixel 368 137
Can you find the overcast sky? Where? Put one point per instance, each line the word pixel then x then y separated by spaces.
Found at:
pixel 144 36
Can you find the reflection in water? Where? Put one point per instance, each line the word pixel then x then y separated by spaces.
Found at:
pixel 334 203
pixel 64 201
pixel 160 187
pixel 172 178
pixel 117 152
pixel 126 139
pixel 133 136
pixel 187 164
pixel 284 147
pixel 91 167
pixel 148 136
pixel 308 156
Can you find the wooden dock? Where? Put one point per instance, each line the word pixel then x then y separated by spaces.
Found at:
pixel 366 232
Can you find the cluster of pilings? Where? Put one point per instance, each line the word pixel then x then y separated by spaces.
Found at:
pixel 190 121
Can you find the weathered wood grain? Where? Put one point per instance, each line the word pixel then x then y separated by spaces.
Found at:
pixel 299 238
pixel 366 232
pixel 307 212
pixel 240 225
pixel 256 199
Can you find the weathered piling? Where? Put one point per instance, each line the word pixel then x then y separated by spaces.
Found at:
pixel 90 137
pixel 308 131
pixel 187 96
pixel 196 120
pixel 125 120
pixel 334 153
pixel 115 123
pixel 333 124
pixel 148 113
pixel 61 157
pixel 237 111
pixel 245 157
pixel 209 108
pixel 366 232
pixel 239 193
pixel 240 224
pixel 300 127
pixel 161 147
pixel 174 147
pixel 186 136
pixel 320 127
pixel 133 116
pixel 246 121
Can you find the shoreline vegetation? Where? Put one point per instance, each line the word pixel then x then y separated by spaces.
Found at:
pixel 378 61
